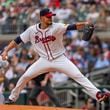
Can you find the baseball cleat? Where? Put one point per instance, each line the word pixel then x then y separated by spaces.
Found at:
pixel 9 102
pixel 102 96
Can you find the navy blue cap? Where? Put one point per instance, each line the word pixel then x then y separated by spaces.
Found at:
pixel 46 12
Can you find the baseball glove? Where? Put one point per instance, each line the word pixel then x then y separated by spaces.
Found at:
pixel 87 32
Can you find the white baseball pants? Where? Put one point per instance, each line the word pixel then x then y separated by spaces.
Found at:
pixel 61 64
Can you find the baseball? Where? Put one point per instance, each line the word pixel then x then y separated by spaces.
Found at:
pixel 6 57
pixel 4 63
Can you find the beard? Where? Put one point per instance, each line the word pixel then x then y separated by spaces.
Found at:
pixel 49 23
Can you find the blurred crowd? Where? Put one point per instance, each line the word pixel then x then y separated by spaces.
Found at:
pixel 17 15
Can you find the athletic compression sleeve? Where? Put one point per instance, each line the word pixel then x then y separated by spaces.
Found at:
pixel 71 27
pixel 18 40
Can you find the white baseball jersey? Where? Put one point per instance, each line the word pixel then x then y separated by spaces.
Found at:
pixel 46 42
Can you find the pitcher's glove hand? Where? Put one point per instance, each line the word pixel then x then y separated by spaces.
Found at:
pixel 87 32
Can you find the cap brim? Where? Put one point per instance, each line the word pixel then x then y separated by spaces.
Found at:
pixel 50 15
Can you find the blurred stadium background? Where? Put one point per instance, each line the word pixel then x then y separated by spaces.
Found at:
pixel 92 58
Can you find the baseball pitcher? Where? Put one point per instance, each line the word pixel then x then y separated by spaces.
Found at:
pixel 47 40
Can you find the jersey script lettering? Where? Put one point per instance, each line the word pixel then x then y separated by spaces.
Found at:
pixel 44 40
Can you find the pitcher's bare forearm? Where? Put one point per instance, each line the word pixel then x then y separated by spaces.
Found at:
pixel 11 45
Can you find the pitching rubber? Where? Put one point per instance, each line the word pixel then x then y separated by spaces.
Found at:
pixel 24 107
